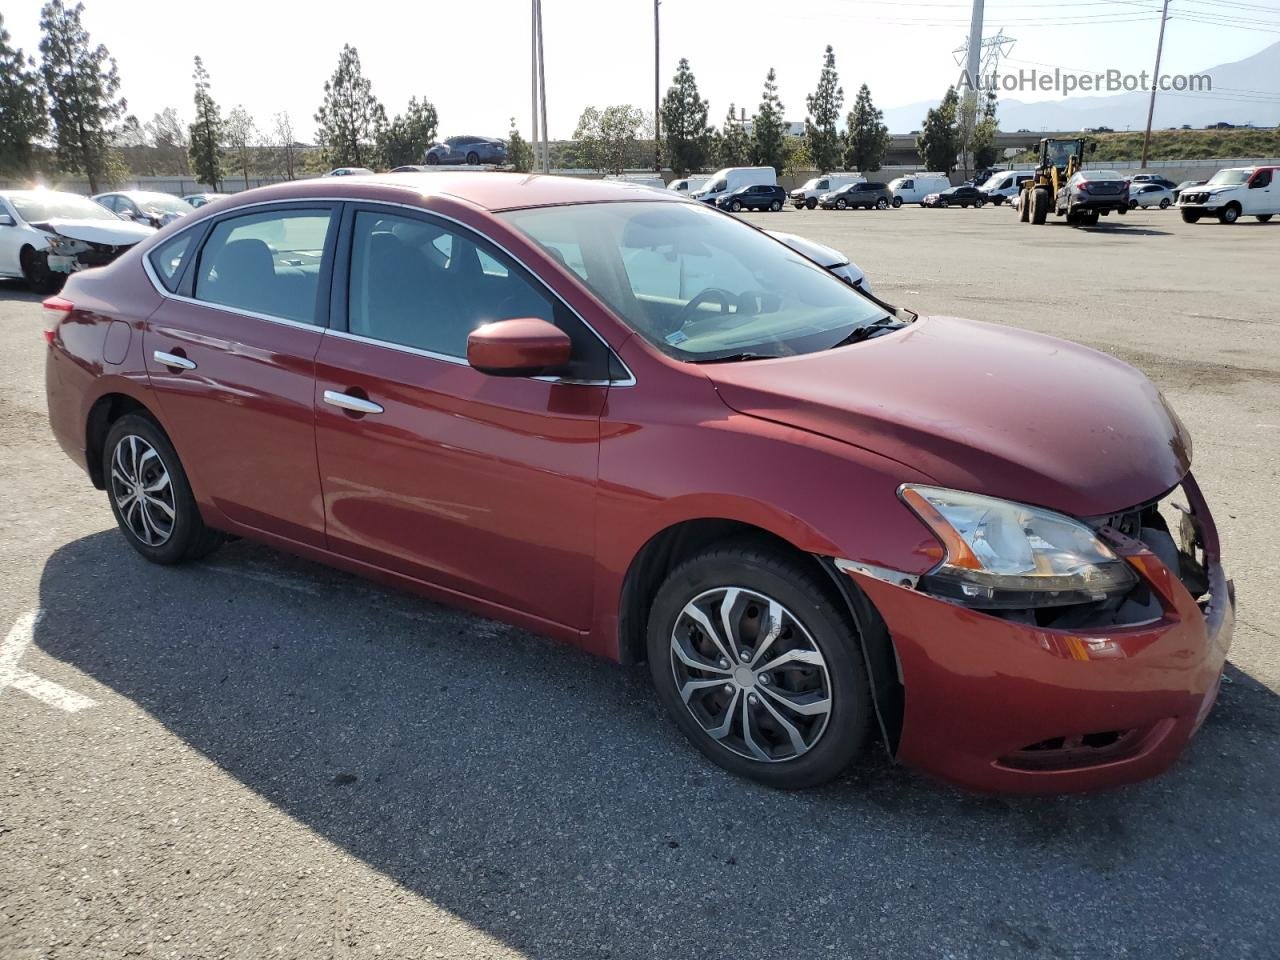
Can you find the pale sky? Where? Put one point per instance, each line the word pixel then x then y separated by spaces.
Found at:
pixel 472 59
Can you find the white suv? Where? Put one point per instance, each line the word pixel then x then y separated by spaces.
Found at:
pixel 1234 193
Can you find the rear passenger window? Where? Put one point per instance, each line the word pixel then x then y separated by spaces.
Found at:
pixel 266 263
pixel 168 258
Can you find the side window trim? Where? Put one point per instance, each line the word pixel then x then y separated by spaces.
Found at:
pixel 321 319
pixel 341 285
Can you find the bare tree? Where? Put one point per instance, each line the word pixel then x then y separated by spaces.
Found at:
pixel 241 133
pixel 282 131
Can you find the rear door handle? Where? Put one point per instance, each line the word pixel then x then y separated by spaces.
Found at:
pixel 173 360
pixel 347 402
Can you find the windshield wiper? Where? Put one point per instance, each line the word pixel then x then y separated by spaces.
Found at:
pixel 885 324
pixel 735 357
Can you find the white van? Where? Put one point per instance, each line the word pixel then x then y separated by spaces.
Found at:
pixel 1005 185
pixel 687 186
pixel 731 178
pixel 807 196
pixel 914 187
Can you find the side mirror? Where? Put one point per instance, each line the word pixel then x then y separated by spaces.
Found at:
pixel 527 347
pixel 6 220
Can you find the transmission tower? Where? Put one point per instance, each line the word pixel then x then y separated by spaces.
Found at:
pixel 990 52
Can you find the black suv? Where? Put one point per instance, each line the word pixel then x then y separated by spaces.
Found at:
pixel 756 197
pixel 865 194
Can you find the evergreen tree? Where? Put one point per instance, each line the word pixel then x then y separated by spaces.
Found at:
pixel 82 83
pixel 519 150
pixel 406 138
pixel 866 136
pixel 684 121
pixel 350 118
pixel 983 143
pixel 206 133
pixel 939 139
pixel 824 112
pixel 768 133
pixel 240 134
pixel 733 144
pixel 23 116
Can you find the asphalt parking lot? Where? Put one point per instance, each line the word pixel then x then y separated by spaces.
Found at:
pixel 257 756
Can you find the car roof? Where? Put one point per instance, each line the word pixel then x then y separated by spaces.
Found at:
pixel 40 193
pixel 488 190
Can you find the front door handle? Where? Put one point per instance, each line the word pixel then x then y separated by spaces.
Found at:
pixel 173 361
pixel 348 402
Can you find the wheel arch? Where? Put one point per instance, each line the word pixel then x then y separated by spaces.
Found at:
pixel 105 411
pixel 672 545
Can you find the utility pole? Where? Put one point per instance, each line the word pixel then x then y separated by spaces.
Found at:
pixel 1151 106
pixel 657 117
pixel 542 90
pixel 533 85
pixel 973 65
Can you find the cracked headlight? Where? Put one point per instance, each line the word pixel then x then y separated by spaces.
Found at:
pixel 1001 554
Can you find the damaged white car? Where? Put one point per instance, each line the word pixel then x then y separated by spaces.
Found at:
pixel 45 236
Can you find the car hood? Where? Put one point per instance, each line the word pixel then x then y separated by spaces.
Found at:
pixel 983 408
pixel 120 234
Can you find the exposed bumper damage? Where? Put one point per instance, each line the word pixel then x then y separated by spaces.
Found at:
pixel 1076 700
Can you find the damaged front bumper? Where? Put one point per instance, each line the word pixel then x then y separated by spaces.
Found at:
pixel 1000 704
pixel 69 256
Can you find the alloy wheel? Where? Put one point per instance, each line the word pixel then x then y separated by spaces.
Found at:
pixel 142 490
pixel 750 674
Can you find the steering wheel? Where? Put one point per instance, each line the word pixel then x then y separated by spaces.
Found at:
pixel 689 312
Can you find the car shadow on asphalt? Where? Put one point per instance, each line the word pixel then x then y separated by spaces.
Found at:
pixel 539 794
pixel 17 291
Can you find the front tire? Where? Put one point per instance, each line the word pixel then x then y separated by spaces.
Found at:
pixel 36 272
pixel 473 159
pixel 841 204
pixel 150 495
pixel 432 160
pixel 736 206
pixel 1230 213
pixel 897 202
pixel 811 202
pixel 1039 206
pixel 1190 216
pixel 758 663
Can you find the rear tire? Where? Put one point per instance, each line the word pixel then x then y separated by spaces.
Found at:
pixel 978 203
pixel 775 206
pixel 473 159
pixel 814 622
pixel 1089 219
pixel 1164 203
pixel 150 495
pixel 1024 208
pixel 1133 204
pixel 1039 205
pixel 882 204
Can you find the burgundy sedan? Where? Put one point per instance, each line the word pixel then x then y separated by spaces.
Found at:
pixel 638 425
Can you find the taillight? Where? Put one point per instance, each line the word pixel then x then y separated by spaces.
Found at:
pixel 1083 185
pixel 56 309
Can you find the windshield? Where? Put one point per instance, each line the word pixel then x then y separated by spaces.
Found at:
pixel 716 185
pixel 994 181
pixel 161 202
pixel 697 284
pixel 1229 177
pixel 37 208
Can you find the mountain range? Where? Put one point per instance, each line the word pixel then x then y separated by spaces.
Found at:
pixel 1244 92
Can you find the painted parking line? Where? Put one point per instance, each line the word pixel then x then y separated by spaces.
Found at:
pixel 11 675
